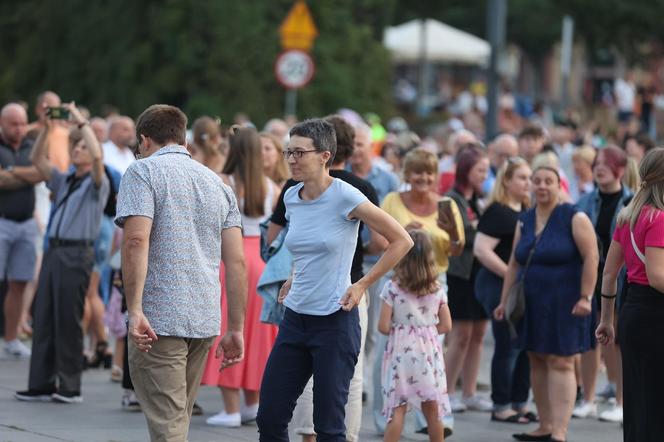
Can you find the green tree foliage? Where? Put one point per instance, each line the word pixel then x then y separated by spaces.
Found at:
pixel 535 25
pixel 207 56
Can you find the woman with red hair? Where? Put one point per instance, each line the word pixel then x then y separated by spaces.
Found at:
pixel 602 206
pixel 469 317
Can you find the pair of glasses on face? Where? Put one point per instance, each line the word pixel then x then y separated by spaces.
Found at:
pixel 297 154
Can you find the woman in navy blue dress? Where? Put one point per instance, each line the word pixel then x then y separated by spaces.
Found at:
pixel 559 284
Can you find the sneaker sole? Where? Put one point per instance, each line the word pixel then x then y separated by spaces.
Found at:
pixel 224 425
pixel 40 398
pixel 610 421
pixel 67 400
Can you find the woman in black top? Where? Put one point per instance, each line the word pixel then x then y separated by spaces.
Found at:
pixel 602 207
pixel 510 371
pixel 470 320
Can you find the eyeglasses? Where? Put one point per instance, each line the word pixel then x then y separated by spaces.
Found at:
pixel 297 154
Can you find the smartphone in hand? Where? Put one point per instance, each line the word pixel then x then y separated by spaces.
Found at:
pixel 57 113
pixel 446 218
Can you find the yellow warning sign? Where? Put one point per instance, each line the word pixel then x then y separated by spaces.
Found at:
pixel 298 30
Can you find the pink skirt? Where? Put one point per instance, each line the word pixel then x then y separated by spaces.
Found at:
pixel 258 337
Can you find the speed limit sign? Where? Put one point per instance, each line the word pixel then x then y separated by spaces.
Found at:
pixel 294 69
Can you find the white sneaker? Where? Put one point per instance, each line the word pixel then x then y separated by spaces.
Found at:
pixel 248 413
pixel 608 392
pixel 585 410
pixel 477 403
pixel 17 348
pixel 129 401
pixel 456 405
pixel 614 414
pixel 222 419
pixel 68 398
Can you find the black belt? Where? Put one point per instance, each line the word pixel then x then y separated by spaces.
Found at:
pixel 53 242
pixel 15 218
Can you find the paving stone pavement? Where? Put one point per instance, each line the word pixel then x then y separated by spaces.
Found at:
pixel 100 419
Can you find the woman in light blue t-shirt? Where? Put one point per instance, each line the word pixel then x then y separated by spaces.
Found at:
pixel 320 332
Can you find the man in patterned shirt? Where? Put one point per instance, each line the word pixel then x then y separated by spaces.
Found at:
pixel 179 221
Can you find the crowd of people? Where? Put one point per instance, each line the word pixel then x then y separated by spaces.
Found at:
pixel 287 266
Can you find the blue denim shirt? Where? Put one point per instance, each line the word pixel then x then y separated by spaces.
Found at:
pixel 590 205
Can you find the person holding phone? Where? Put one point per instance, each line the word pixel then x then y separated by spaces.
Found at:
pixel 465 341
pixel 80 198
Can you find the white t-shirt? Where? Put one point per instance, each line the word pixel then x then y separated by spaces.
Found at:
pixel 322 240
pixel 118 158
pixel 625 95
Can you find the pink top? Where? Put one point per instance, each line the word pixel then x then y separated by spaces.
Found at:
pixel 647 233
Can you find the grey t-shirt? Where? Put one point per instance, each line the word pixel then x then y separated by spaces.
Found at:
pixel 77 216
pixel 189 206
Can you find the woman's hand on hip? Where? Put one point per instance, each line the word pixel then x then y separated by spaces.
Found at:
pixel 352 297
pixel 605 334
pixel 583 307
pixel 283 291
pixel 499 312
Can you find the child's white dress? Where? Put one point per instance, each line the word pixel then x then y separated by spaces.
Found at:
pixel 413 367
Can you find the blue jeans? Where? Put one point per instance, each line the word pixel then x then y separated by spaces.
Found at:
pixel 326 347
pixel 510 369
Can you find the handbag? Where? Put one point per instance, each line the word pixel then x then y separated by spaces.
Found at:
pixel 515 307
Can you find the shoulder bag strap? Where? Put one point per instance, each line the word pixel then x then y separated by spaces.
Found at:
pixel 641 256
pixel 532 250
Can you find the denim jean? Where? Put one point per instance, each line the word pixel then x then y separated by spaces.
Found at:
pixel 326 347
pixel 510 369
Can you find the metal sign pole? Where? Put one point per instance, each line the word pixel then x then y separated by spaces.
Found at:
pixel 291 102
pixel 566 60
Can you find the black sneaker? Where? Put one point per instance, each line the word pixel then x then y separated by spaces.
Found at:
pixel 68 397
pixel 35 395
pixel 196 410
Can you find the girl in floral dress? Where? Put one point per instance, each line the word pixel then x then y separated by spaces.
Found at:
pixel 413 314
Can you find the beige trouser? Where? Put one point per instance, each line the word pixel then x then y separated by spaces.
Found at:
pixel 166 381
pixel 303 416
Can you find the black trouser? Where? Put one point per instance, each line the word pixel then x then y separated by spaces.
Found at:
pixel 640 330
pixel 127 384
pixel 326 347
pixel 57 341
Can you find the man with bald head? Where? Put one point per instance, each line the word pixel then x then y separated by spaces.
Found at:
pixel 117 150
pixel 500 150
pixel 58 139
pixel 278 128
pixel 18 228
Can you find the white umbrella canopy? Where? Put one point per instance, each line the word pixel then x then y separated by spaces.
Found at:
pixel 443 43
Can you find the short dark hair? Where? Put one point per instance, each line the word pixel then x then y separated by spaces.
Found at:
pixel 163 123
pixel 532 131
pixel 642 140
pixel 320 132
pixel 345 138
